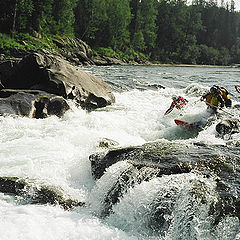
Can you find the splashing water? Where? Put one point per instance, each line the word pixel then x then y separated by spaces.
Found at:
pixel 56 152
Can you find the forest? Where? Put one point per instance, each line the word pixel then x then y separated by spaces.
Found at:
pixel 161 31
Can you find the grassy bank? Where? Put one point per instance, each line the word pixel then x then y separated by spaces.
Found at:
pixel 21 43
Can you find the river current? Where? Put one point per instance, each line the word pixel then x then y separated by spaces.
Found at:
pixel 56 151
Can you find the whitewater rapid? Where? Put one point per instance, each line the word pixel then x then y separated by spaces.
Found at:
pixel 56 151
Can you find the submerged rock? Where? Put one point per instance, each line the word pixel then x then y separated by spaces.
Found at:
pixel 37 194
pixel 107 143
pixel 228 127
pixel 160 159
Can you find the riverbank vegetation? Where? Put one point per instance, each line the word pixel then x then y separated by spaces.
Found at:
pixel 161 31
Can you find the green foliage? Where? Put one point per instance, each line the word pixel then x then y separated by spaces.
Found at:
pixel 108 52
pixel 128 55
pixel 208 55
pixel 119 16
pixel 143 26
pixel 223 57
pixel 138 41
pixel 23 42
pixel 168 31
pixel 235 51
pixel 6 42
pixel 63 16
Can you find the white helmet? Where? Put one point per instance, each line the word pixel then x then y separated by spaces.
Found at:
pixel 174 97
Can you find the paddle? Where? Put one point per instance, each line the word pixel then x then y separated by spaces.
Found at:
pixel 237 88
pixel 169 110
pixel 211 105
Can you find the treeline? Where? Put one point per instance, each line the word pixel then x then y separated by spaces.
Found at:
pixel 167 31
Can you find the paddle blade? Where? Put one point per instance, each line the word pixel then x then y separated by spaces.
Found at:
pixel 237 89
pixel 168 111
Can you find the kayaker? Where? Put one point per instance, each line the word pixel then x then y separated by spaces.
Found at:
pixel 178 102
pixel 213 98
pixel 225 95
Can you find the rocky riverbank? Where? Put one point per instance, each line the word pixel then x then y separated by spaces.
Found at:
pixel 73 50
pixel 42 83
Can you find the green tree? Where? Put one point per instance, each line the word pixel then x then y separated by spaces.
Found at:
pixel 138 41
pixel 119 17
pixel 83 17
pixel 235 51
pixel 7 10
pixel 91 21
pixel 42 18
pixel 191 24
pixel 15 15
pixel 208 55
pixel 178 25
pixel 63 16
pixel 143 24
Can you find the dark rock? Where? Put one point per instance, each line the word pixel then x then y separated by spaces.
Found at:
pixel 31 103
pixel 228 126
pixel 57 106
pixel 107 143
pixel 106 61
pixel 18 104
pixel 74 50
pixel 55 75
pixel 41 107
pixel 158 159
pixel 6 68
pixel 148 155
pixel 11 185
pixel 35 194
pixel 101 161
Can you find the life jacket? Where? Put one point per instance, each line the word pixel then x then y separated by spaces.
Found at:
pixel 208 99
pixel 180 102
pixel 224 93
pixel 214 101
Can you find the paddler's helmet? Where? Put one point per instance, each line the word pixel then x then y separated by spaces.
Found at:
pixel 174 97
pixel 214 90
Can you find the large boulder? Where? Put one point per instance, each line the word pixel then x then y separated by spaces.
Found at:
pixel 6 67
pixel 31 103
pixel 126 168
pixel 74 50
pixel 53 74
pixel 228 127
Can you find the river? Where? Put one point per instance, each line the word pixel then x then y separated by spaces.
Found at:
pixel 56 151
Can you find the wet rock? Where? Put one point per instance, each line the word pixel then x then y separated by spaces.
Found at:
pixel 57 106
pixel 158 159
pixel 19 104
pixel 31 103
pixel 107 143
pixel 46 106
pixel 101 161
pixel 40 106
pixel 152 155
pixel 11 185
pixel 228 126
pixel 34 193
